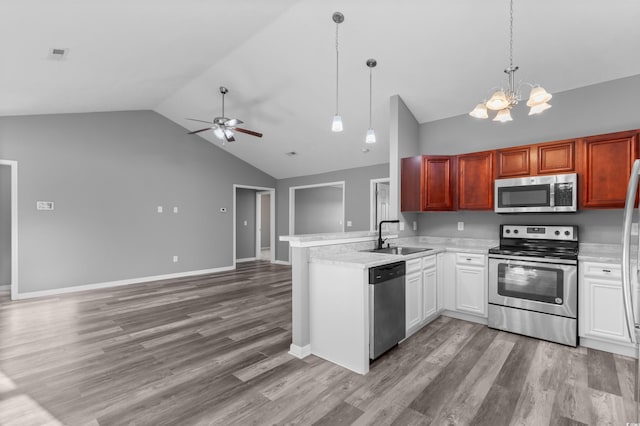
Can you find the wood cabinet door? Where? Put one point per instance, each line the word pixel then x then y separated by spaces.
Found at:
pixel 606 167
pixel 410 184
pixel 555 157
pixel 475 181
pixel 513 162
pixel 437 185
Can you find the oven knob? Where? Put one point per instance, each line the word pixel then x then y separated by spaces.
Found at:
pixel 515 231
pixel 508 231
pixel 558 301
pixel 557 232
pixel 567 233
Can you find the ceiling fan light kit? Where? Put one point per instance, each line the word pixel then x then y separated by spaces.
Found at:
pixel 503 100
pixel 224 127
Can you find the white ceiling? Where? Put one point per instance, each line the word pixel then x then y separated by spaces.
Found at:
pixel 277 58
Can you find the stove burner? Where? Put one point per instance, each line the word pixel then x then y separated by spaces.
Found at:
pixel 553 246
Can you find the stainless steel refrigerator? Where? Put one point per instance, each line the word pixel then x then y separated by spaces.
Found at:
pixel 630 275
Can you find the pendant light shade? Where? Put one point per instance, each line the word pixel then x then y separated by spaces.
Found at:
pixel 480 111
pixel 498 101
pixel 371 135
pixel 537 109
pixel 336 125
pixel 538 96
pixel 503 116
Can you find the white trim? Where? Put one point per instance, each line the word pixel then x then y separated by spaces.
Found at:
pixel 246 259
pixel 300 351
pixel 14 226
pixel 281 262
pixel 372 201
pixel 465 317
pixel 272 223
pixel 292 202
pixel 118 283
pixel 271 192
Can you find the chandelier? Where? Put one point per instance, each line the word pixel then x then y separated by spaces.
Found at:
pixel 504 99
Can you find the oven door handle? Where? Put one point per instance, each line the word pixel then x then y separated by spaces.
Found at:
pixel 626 243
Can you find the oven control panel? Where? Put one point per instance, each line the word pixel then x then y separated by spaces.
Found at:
pixel 543 232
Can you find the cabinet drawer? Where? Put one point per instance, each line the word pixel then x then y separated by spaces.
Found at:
pixel 470 259
pixel 429 262
pixel 602 270
pixel 413 265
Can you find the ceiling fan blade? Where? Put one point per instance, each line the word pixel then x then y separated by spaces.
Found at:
pixel 232 122
pixel 201 130
pixel 249 132
pixel 201 121
pixel 228 135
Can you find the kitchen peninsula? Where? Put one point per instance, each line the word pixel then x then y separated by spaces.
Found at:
pixel 330 297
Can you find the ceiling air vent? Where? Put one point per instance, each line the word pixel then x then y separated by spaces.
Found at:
pixel 57 53
pixel 291 153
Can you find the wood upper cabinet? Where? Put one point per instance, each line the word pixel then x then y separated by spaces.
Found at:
pixel 605 167
pixel 411 184
pixel 555 157
pixel 513 162
pixel 438 178
pixel 475 181
pixel 539 159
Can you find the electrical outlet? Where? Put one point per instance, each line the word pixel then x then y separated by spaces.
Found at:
pixel 401 226
pixel 160 209
pixel 634 229
pixel 175 209
pixel 244 223
pixel 460 226
pixel 349 224
pixel 415 225
pixel 175 259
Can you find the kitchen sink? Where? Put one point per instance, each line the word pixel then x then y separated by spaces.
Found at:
pixel 399 250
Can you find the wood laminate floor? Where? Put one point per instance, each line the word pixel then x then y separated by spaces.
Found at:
pixel 212 350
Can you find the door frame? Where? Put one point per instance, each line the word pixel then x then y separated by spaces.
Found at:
pixel 272 219
pixel 13 165
pixel 372 200
pixel 259 195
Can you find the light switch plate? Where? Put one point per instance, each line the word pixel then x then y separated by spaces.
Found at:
pixel 45 205
pixel 349 224
pixel 460 226
pixel 160 209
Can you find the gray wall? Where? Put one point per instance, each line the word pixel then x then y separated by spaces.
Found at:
pixel 357 183
pixel 245 234
pixel 318 210
pixel 106 173
pixel 5 225
pixel 265 220
pixel 601 108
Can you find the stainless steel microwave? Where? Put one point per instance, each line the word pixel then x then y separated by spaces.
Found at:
pixel 537 194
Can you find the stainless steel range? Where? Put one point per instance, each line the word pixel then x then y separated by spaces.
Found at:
pixel 533 282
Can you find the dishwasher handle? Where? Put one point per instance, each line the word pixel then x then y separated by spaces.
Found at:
pixel 383 273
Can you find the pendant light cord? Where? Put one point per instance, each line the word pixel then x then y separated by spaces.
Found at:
pixel 511 35
pixel 337 68
pixel 370 94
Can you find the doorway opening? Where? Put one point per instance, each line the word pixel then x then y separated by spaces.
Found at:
pixel 252 206
pixel 9 226
pixel 379 200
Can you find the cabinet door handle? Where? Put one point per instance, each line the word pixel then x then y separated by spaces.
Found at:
pixel 606 270
pixel 468 259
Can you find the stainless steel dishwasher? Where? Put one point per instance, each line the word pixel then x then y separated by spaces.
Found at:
pixel 387 322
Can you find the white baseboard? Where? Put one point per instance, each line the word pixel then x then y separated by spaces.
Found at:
pixel 246 259
pixel 95 286
pixel 626 349
pixel 300 351
pixel 281 262
pixel 465 317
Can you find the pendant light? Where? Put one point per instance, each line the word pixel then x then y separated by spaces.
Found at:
pixel 371 135
pixel 336 125
pixel 505 99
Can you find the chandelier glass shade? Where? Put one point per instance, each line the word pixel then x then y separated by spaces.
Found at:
pixel 503 100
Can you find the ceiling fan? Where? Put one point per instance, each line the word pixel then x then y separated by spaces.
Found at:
pixel 224 127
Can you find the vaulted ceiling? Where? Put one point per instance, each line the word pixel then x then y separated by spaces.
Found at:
pixel 277 58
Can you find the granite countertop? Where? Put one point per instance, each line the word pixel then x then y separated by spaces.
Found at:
pixel 606 253
pixel 364 259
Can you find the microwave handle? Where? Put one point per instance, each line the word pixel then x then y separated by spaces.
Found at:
pixel 552 193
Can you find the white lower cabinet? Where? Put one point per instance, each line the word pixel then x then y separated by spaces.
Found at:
pixel 421 285
pixel 471 284
pixel 600 302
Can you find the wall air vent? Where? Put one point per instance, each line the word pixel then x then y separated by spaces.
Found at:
pixel 291 153
pixel 58 53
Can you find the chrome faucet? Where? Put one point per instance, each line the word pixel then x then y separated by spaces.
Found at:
pixel 380 240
